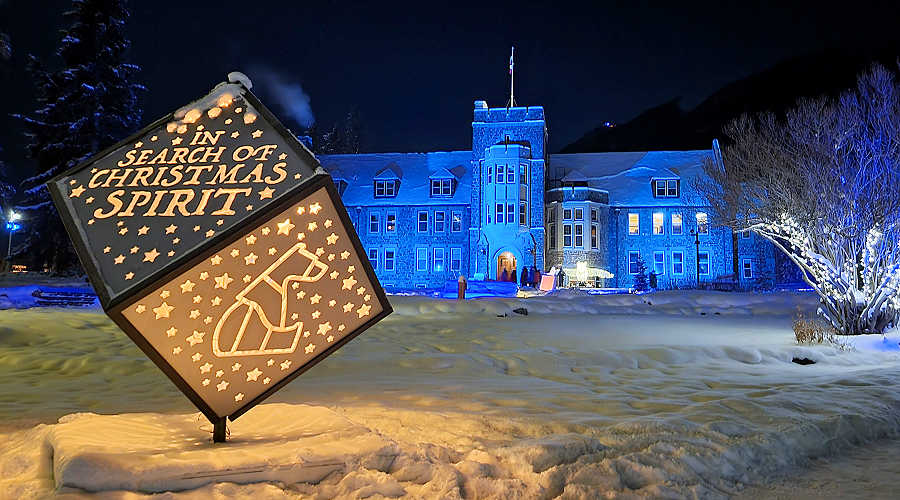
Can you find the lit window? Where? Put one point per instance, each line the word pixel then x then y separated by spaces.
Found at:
pixel 390 223
pixel 455 259
pixel 374 223
pixel 567 235
pixel 747 267
pixel 499 213
pixel 702 223
pixel 389 257
pixel 678 263
pixel 594 236
pixel 440 222
pixel 423 222
pixel 456 221
pixel 438 260
pixel 579 235
pixel 659 223
pixel 500 174
pixel 385 189
pixel 677 226
pixel 633 258
pixel 421 259
pixel 634 221
pixel 373 258
pixel 659 263
pixel 441 187
pixel 703 263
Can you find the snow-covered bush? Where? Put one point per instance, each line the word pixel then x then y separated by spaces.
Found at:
pixel 823 185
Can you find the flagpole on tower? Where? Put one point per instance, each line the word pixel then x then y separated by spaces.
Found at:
pixel 512 76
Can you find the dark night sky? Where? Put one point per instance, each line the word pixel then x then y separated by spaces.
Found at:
pixel 414 70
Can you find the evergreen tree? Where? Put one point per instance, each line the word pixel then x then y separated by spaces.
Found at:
pixel 640 279
pixel 352 132
pixel 87 104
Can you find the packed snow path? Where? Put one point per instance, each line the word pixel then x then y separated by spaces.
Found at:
pixel 675 393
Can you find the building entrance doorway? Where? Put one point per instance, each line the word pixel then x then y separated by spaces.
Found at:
pixel 506 261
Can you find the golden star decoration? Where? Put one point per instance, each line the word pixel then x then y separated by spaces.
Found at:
pixel 163 310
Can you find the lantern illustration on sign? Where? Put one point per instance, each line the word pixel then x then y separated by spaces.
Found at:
pixel 217 242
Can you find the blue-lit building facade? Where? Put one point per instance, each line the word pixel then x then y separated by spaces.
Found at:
pixel 427 218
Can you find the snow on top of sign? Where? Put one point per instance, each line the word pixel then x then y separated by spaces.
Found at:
pixel 237 84
pixel 238 77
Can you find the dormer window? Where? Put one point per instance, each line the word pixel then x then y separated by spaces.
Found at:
pixel 441 187
pixel 386 188
pixel 666 188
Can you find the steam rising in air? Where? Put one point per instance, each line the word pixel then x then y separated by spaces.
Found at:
pixel 289 97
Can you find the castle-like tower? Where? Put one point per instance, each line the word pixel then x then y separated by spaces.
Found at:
pixel 509 160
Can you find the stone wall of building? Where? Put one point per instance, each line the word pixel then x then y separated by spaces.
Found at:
pixel 717 244
pixel 406 239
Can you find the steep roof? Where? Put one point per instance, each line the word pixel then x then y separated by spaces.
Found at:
pixel 627 176
pixel 414 171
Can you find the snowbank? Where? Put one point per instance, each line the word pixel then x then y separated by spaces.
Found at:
pixel 587 396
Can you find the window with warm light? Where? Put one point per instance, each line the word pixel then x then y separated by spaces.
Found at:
pixel 702 223
pixel 634 221
pixel 659 223
pixel 677 224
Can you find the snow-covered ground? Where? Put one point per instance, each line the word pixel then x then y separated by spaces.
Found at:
pixel 663 395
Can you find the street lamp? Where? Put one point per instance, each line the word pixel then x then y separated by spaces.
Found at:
pixel 12 227
pixel 696 235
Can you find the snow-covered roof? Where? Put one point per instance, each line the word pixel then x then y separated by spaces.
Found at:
pixel 627 176
pixel 413 170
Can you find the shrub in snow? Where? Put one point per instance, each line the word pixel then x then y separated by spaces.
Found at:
pixel 823 185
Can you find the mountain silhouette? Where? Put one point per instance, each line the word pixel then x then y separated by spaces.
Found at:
pixel 669 127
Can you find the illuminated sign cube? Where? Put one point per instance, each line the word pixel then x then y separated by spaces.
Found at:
pixel 218 244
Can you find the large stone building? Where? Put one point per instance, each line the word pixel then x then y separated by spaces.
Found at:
pixel 426 218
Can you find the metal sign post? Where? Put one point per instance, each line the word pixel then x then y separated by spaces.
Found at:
pixel 217 242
